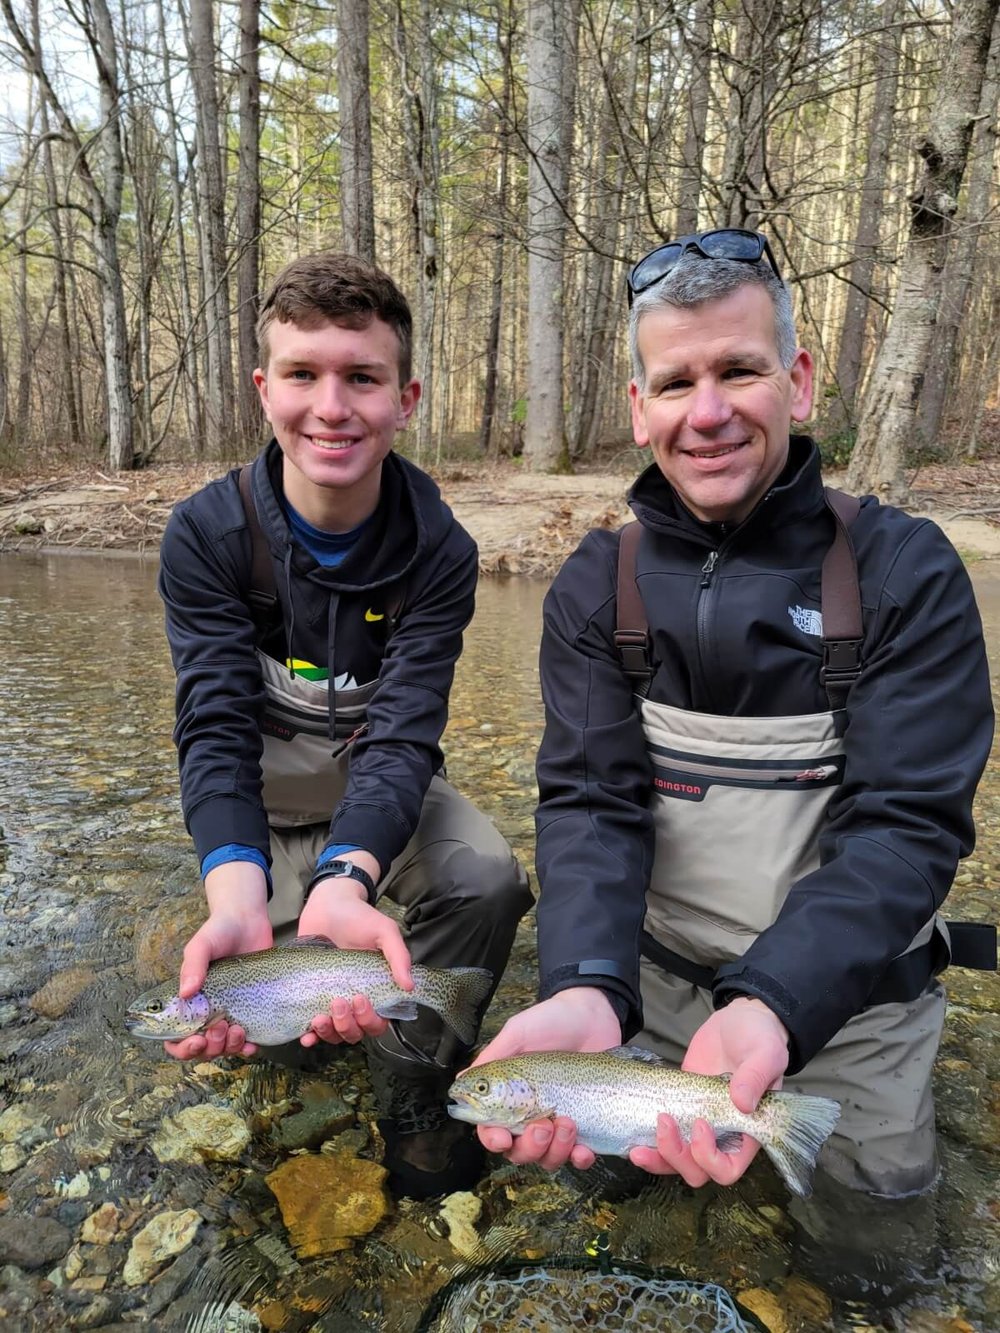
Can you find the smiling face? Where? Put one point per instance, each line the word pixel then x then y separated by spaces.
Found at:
pixel 335 402
pixel 717 402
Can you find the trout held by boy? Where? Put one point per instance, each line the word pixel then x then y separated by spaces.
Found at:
pixel 274 994
pixel 614 1098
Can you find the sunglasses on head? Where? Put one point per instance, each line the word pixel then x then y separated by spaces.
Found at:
pixel 747 247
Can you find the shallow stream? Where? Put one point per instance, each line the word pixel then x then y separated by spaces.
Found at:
pixel 109 1218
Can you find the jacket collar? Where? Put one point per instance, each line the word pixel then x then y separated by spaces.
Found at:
pixel 399 536
pixel 796 495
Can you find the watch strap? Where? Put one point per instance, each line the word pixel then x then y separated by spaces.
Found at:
pixel 338 869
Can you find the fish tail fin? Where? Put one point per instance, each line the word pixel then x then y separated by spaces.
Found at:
pixel 805 1125
pixel 460 1008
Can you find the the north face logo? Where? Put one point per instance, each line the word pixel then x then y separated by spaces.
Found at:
pixel 808 621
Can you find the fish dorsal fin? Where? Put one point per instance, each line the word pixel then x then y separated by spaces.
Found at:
pixel 307 942
pixel 641 1054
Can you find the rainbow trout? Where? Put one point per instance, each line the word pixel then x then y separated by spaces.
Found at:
pixel 275 993
pixel 615 1096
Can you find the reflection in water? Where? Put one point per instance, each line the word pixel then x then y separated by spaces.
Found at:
pixel 135 1189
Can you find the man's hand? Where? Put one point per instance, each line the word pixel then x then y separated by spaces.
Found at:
pixel 578 1019
pixel 747 1040
pixel 237 923
pixel 339 910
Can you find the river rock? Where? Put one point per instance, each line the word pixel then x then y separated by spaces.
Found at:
pixel 202 1133
pixel 12 1158
pixel 61 990
pixel 159 940
pixel 101 1227
pixel 461 1211
pixel 313 1125
pixel 77 1187
pixel 32 1242
pixel 168 1234
pixel 24 1123
pixel 328 1200
pixel 766 1306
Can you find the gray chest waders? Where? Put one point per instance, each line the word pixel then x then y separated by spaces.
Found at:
pixel 739 803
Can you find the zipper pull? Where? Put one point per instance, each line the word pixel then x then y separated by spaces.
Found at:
pixel 708 568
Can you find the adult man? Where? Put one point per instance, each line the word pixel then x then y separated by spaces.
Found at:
pixel 314 623
pixel 785 852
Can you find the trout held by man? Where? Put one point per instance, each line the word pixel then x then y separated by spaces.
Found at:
pixel 274 994
pixel 614 1098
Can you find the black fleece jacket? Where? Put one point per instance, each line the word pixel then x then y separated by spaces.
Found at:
pixel 330 617
pixel 919 729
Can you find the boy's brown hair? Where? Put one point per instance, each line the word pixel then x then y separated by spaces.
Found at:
pixel 340 289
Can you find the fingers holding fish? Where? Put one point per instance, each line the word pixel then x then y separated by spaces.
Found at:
pixel 348 1021
pixel 218 1039
pixel 335 912
pixel 699 1159
pixel 550 1144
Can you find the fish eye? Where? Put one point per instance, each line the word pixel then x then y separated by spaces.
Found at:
pixel 481 1085
pixel 154 1006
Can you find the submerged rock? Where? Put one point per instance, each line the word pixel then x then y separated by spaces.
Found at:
pixel 32 1242
pixel 61 990
pixel 461 1211
pixel 166 1235
pixel 313 1125
pixel 327 1200
pixel 160 939
pixel 202 1133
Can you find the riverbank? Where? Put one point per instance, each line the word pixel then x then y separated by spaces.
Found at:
pixel 524 524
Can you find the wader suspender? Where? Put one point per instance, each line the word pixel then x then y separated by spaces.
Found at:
pixel 840 603
pixel 973 944
pixel 263 594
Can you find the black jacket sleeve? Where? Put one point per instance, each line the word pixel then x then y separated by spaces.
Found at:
pixel 920 726
pixel 594 830
pixel 220 691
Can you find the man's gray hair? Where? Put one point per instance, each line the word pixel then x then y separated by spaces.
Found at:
pixel 695 281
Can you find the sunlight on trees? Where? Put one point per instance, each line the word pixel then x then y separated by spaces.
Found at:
pixel 504 160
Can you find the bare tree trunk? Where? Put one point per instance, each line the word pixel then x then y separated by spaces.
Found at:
pixel 545 446
pixel 25 361
pixel 601 307
pixel 961 261
pixel 357 207
pixel 211 188
pixel 888 416
pixel 188 356
pixel 420 120
pixel 248 223
pixel 70 404
pixel 699 47
pixel 753 84
pixel 103 185
pixel 504 32
pixel 877 146
pixel 121 448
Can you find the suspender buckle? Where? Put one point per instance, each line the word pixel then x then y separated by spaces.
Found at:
pixel 633 650
pixel 841 661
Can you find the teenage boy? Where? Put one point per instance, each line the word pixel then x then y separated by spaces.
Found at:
pixel 315 604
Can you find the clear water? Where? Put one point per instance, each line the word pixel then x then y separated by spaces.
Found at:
pixel 92 851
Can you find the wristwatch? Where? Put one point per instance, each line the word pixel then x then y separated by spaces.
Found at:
pixel 338 869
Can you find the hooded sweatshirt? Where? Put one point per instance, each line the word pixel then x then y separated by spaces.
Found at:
pixel 333 618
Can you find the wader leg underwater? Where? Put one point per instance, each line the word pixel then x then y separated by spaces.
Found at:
pixel 768 782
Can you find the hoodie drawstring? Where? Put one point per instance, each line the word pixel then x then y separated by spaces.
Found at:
pixel 290 603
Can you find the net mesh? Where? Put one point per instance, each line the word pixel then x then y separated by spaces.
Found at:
pixel 549 1299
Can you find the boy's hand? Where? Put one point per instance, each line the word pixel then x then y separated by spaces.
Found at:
pixel 237 923
pixel 339 910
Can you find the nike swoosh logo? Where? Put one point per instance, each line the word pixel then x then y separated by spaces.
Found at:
pixel 370 615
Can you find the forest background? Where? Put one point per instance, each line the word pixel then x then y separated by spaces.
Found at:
pixel 505 160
